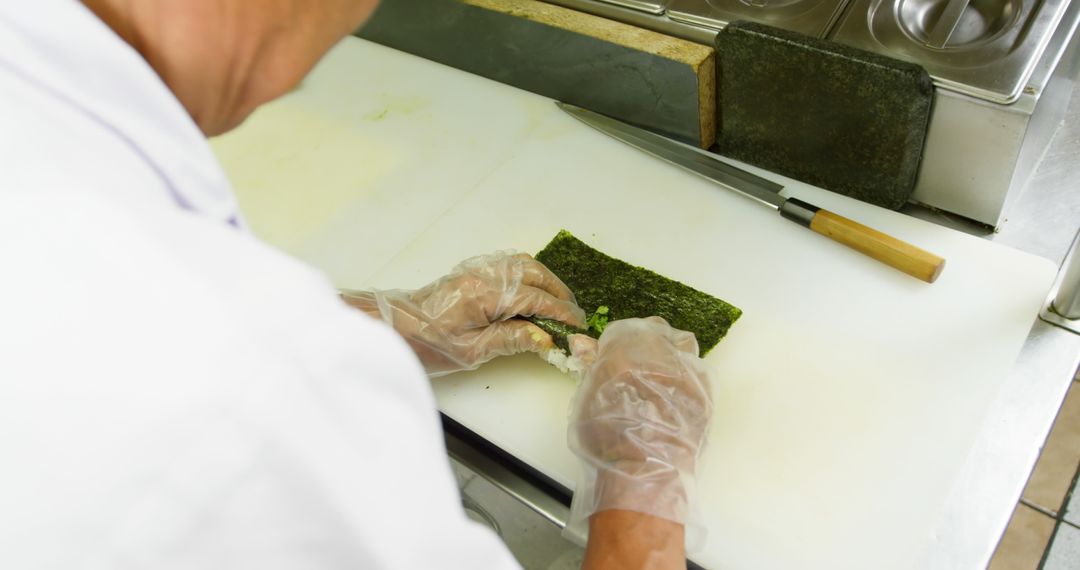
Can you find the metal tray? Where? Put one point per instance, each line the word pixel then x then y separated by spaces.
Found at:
pixel 810 17
pixel 983 48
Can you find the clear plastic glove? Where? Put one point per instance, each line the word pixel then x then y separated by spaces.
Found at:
pixel 466 318
pixel 638 422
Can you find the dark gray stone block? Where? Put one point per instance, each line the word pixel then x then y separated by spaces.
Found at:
pixel 831 115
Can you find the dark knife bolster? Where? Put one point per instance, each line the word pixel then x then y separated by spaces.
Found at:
pixel 800 212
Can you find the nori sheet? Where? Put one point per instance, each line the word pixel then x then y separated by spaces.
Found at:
pixel 560 332
pixel 629 291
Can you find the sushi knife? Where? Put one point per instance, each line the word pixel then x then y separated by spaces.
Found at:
pixel 887 249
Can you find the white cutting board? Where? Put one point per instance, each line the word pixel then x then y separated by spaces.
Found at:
pixel 848 393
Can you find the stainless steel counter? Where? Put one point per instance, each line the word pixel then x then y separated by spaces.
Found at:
pixel 997 131
pixel 1044 222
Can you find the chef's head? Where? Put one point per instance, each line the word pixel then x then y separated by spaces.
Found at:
pixel 224 58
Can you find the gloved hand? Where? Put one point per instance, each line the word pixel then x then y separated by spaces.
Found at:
pixel 639 421
pixel 466 318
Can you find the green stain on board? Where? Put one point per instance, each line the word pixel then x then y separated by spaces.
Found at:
pixel 378 116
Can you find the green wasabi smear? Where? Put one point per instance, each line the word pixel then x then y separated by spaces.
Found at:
pixel 598 321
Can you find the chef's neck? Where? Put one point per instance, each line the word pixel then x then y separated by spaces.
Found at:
pixel 224 58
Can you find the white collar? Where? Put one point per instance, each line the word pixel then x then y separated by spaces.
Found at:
pixel 64 48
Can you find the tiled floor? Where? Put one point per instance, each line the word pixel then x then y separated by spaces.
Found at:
pixel 1044 533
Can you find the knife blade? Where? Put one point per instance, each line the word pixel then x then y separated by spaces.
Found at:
pixel 887 249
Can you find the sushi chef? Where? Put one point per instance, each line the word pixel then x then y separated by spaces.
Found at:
pixel 175 393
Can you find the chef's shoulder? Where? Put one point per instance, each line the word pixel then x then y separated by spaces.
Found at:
pixel 163 290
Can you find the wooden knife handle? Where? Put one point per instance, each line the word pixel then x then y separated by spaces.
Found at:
pixel 899 254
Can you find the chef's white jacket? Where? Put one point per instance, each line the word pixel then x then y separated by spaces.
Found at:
pixel 173 392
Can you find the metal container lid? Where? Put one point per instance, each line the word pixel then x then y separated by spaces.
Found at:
pixel 983 48
pixel 648 6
